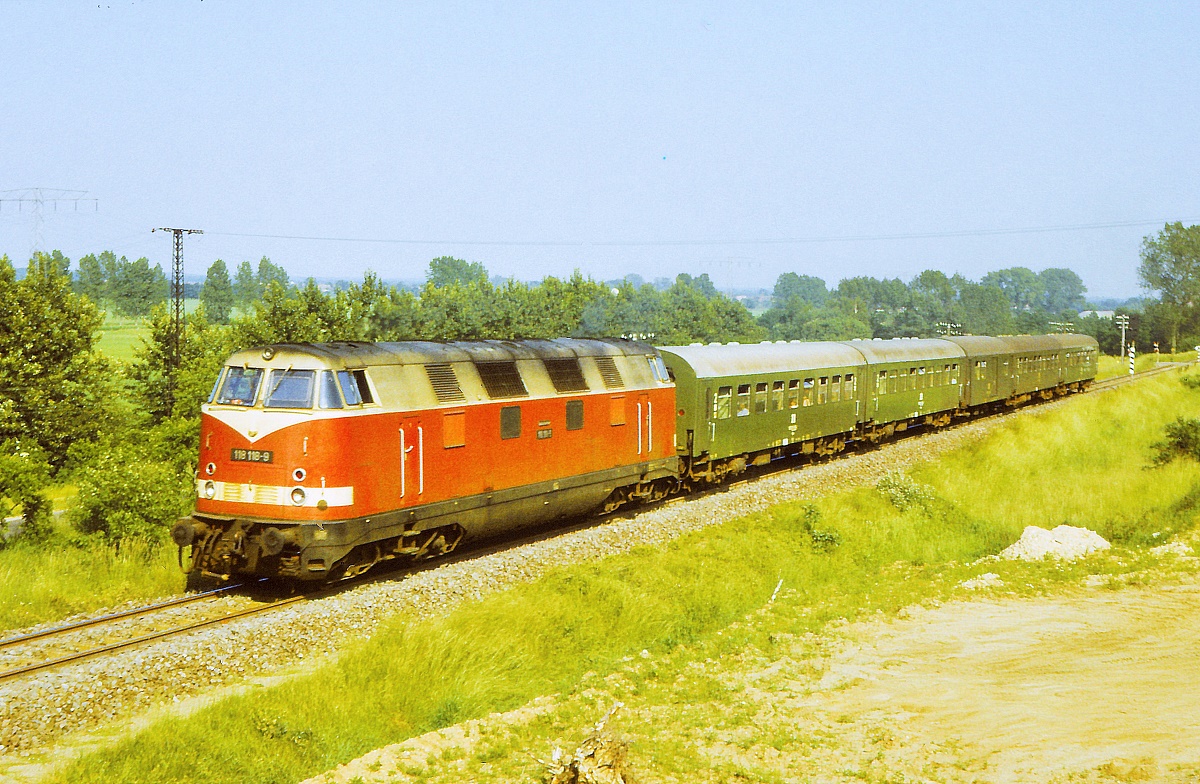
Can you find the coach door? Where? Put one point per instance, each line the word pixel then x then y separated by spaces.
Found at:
pixel 412 460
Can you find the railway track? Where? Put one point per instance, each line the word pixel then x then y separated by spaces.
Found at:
pixel 45 637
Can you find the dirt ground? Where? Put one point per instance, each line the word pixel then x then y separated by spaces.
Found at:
pixel 1096 686
pixel 1104 686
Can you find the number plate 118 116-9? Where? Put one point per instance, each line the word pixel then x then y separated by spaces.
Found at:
pixel 251 456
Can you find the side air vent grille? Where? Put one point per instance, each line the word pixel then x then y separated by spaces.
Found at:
pixel 566 375
pixel 610 374
pixel 445 383
pixel 501 379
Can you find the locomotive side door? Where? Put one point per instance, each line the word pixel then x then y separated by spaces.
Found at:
pixel 645 425
pixel 412 460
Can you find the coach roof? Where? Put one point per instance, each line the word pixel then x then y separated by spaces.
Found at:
pixel 717 360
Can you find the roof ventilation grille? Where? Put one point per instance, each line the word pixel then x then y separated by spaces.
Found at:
pixel 566 375
pixel 610 374
pixel 501 379
pixel 445 383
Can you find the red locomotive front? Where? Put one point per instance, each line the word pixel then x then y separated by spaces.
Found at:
pixel 319 460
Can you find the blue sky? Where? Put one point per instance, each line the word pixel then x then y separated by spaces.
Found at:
pixel 739 140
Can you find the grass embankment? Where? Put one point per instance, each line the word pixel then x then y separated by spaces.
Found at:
pixel 41 584
pixel 1119 366
pixel 851 553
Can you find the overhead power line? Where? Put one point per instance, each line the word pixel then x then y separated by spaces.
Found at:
pixel 713 242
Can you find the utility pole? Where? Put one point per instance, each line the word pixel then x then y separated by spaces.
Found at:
pixel 177 299
pixel 1122 321
pixel 36 199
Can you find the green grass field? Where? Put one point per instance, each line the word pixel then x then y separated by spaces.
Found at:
pixel 1086 463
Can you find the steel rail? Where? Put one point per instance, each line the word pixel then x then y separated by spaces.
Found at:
pixel 131 613
pixel 145 638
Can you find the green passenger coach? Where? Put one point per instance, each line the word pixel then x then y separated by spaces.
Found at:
pixel 742 405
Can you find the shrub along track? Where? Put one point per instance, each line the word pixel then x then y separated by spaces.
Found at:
pixel 38 709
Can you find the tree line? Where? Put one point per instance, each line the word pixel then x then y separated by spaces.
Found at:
pixel 125 433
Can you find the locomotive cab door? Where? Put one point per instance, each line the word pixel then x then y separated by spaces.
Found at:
pixel 412 460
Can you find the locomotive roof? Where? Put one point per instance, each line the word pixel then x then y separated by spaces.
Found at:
pixel 365 354
pixel 731 359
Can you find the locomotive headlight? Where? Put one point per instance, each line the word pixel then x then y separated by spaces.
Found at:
pixel 210 489
pixel 299 474
pixel 298 496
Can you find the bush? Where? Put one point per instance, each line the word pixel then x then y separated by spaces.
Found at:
pixel 1182 440
pixel 123 496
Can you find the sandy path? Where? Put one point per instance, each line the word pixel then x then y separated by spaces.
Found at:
pixel 1036 688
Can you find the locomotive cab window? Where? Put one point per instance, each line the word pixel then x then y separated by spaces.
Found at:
pixel 240 387
pixel 723 403
pixel 290 389
pixel 354 386
pixel 329 396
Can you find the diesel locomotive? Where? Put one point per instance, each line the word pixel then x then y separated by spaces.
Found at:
pixel 318 461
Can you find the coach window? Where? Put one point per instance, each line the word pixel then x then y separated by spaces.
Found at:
pixel 851 390
pixel 823 390
pixel 809 387
pixel 835 392
pixel 454 428
pixel 794 393
pixel 616 410
pixel 574 415
pixel 743 400
pixel 881 388
pixel 510 422
pixel 329 397
pixel 760 398
pixel 777 396
pixel 723 403
pixel 954 373
pixel 894 380
pixel 922 381
pixel 913 379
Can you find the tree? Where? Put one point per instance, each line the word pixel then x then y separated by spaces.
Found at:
pixel 217 293
pixel 1062 290
pixel 245 288
pixel 138 287
pixel 91 282
pixel 269 273
pixel 1020 284
pixel 1171 266
pixel 805 288
pixel 447 271
pixel 54 388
